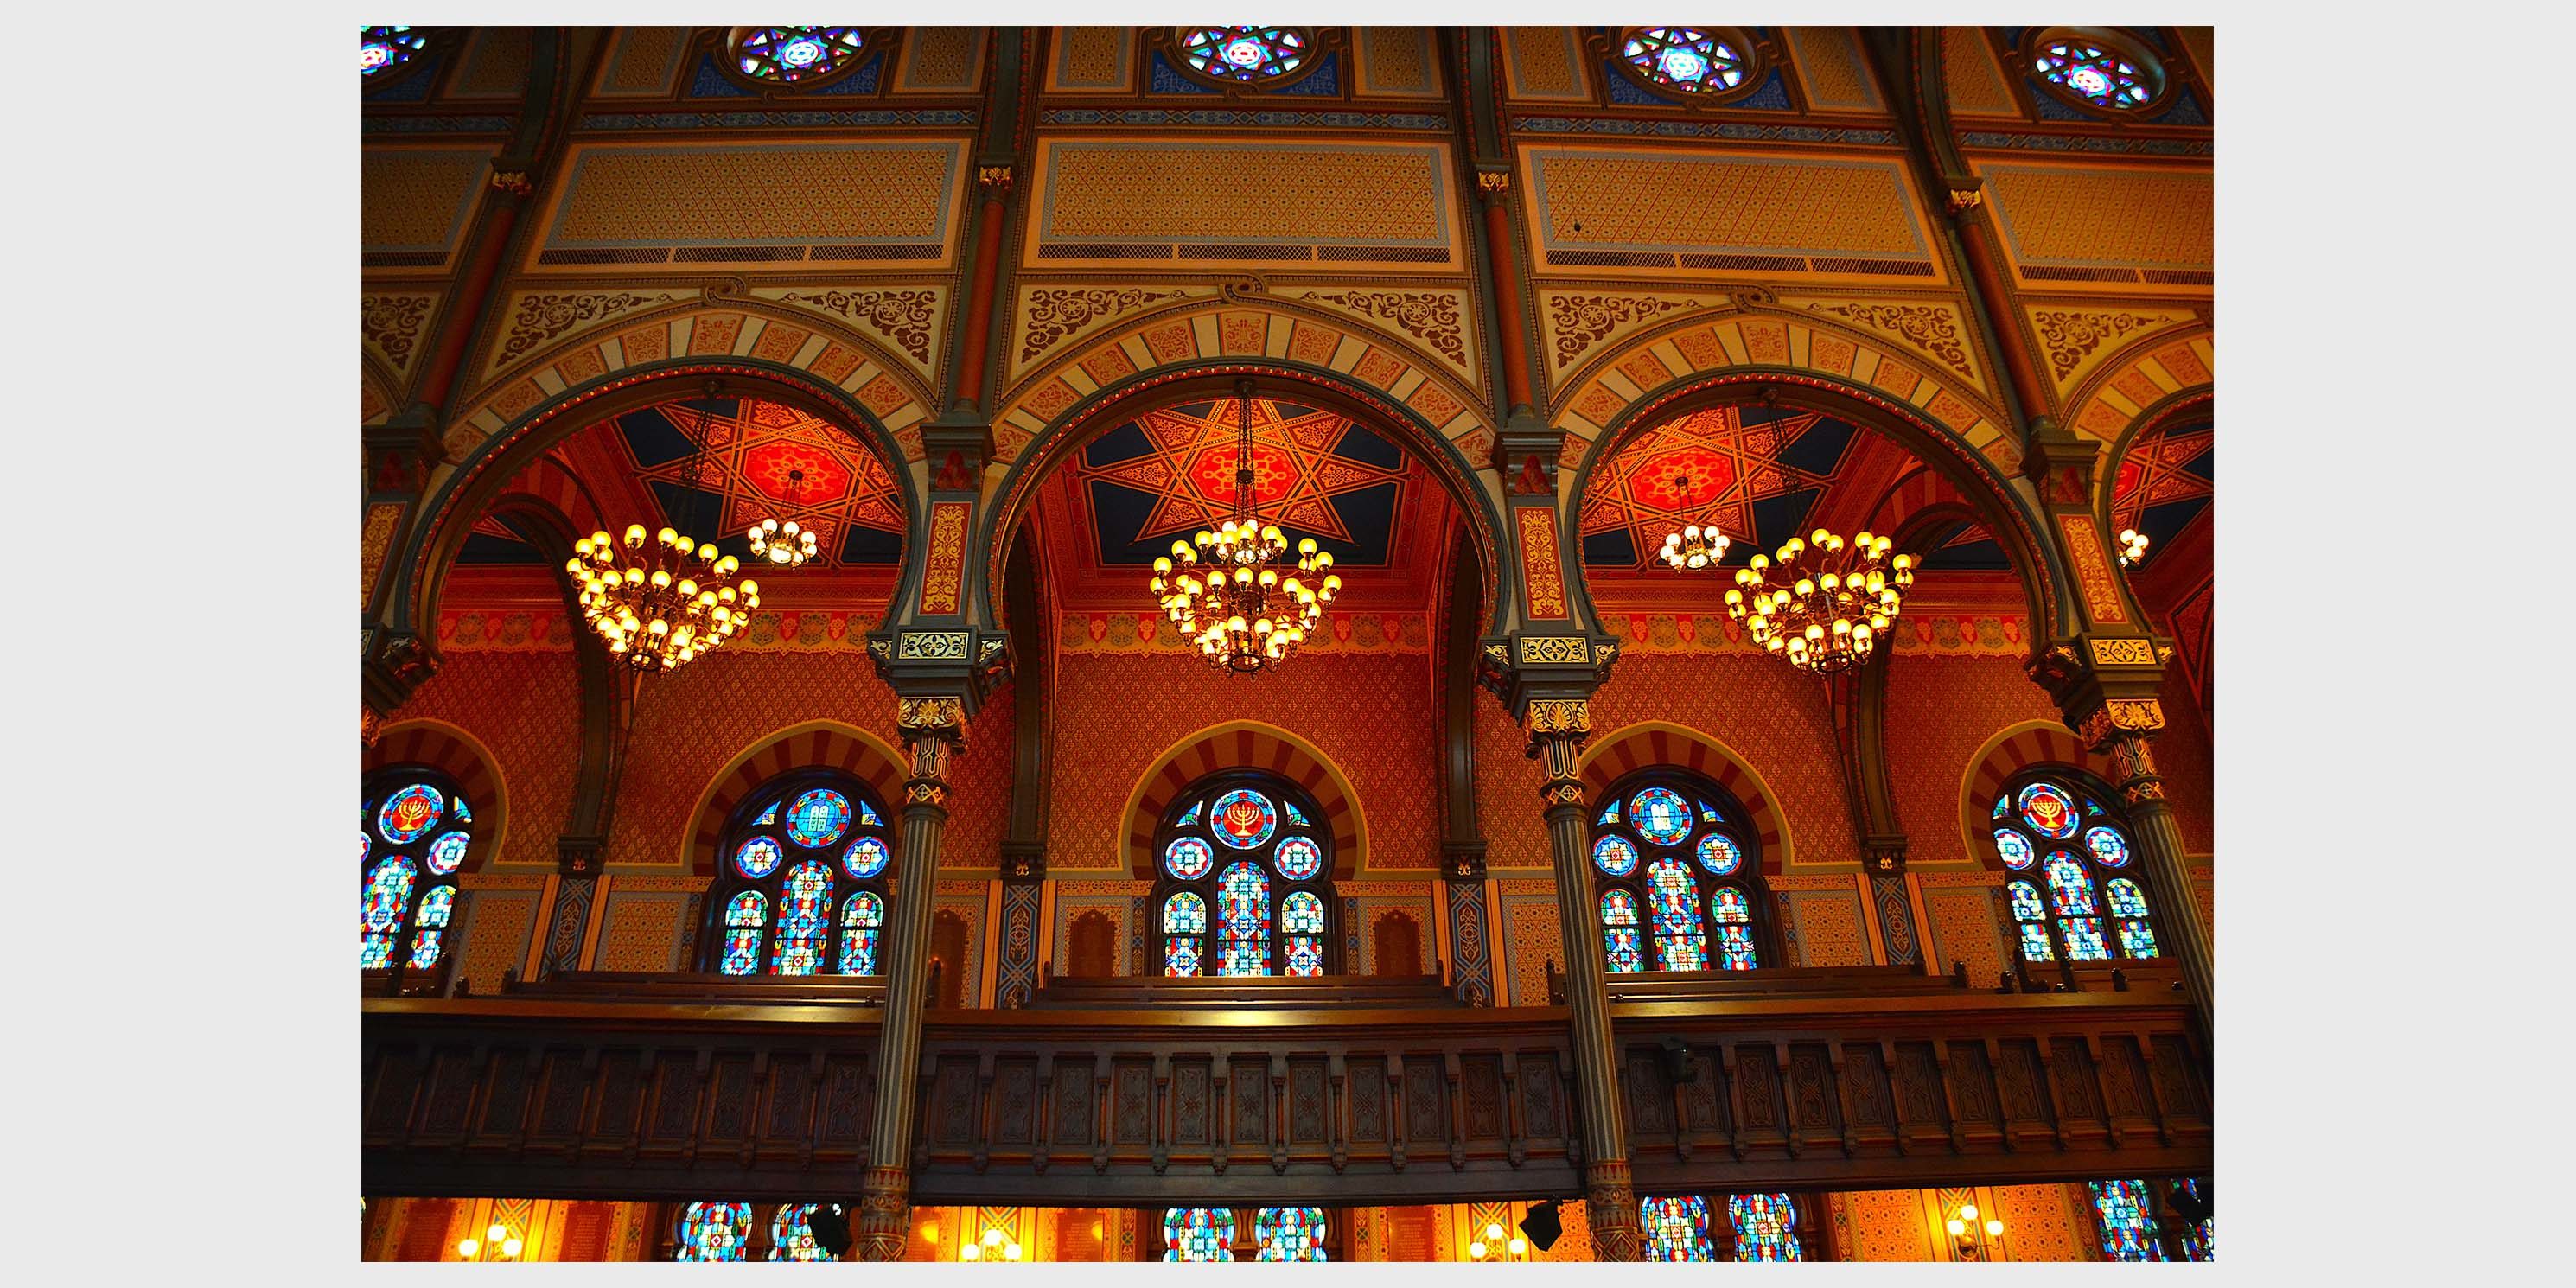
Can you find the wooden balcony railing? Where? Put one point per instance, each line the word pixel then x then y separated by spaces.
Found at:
pixel 1341 1091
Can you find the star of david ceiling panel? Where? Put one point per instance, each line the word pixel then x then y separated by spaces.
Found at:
pixel 1124 498
pixel 713 467
pixel 2165 482
pixel 1762 475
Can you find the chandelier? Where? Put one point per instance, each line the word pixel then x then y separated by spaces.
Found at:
pixel 1694 547
pixel 2133 547
pixel 1825 602
pixel 1230 590
pixel 785 546
pixel 658 603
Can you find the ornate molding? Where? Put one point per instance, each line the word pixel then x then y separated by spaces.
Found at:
pixel 1558 718
pixel 1052 315
pixel 935 646
pixel 2121 718
pixel 2072 336
pixel 1556 650
pixel 1932 329
pixel 2123 650
pixel 538 318
pixel 995 180
pixel 1433 317
pixel 906 317
pixel 392 324
pixel 1577 322
pixel 929 717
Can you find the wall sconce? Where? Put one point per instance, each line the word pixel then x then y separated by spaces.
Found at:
pixel 1492 1244
pixel 497 1244
pixel 1968 1240
pixel 996 1245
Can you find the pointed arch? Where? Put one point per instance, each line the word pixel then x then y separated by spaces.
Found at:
pixel 1649 743
pixel 825 744
pixel 1201 345
pixel 461 756
pixel 1243 744
pixel 2012 750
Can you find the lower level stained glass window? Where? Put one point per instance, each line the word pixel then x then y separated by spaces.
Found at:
pixel 2128 1232
pixel 1290 1233
pixel 1766 1227
pixel 1198 1234
pixel 714 1232
pixel 1676 1229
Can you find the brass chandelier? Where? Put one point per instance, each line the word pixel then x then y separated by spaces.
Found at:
pixel 660 602
pixel 1825 602
pixel 1230 590
pixel 788 546
pixel 1695 546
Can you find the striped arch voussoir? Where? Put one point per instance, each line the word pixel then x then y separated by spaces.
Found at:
pixel 1653 744
pixel 820 744
pixel 457 754
pixel 1921 492
pixel 1244 744
pixel 2150 373
pixel 2032 742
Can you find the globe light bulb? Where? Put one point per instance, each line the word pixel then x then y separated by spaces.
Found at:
pixel 1477 1250
pixel 1957 1227
pixel 511 1247
pixel 992 1238
pixel 1994 1228
pixel 1519 1246
pixel 497 1232
pixel 970 1252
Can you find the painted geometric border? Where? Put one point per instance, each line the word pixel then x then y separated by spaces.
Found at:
pixel 459 755
pixel 1244 744
pixel 816 744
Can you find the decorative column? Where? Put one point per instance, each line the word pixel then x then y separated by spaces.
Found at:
pixel 933 729
pixel 1493 188
pixel 1859 701
pixel 1471 960
pixel 1558 728
pixel 2121 728
pixel 1023 897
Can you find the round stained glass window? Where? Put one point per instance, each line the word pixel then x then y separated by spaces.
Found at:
pixel 1664 818
pixel 1720 854
pixel 381 49
pixel 447 853
pixel 2014 847
pixel 1298 858
pixel 388 890
pixel 2108 849
pixel 818 817
pixel 1243 818
pixel 1690 60
pixel 409 814
pixel 1613 854
pixel 1245 54
pixel 792 55
pixel 2049 810
pixel 2096 71
pixel 866 857
pixel 1188 858
pixel 363 847
pixel 758 857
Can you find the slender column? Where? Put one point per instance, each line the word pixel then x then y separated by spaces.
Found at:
pixel 1558 728
pixel 995 180
pixel 933 729
pixel 1494 186
pixel 1985 272
pixel 2122 729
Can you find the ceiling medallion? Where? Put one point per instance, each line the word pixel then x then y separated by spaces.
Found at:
pixel 1825 602
pixel 1225 588
pixel 1696 546
pixel 660 603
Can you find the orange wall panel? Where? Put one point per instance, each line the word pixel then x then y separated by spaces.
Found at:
pixel 1940 710
pixel 526 708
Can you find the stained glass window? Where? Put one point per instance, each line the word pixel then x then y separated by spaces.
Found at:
pixel 804 885
pixel 1252 54
pixel 1687 60
pixel 1198 1234
pixel 382 49
pixel 2121 1209
pixel 794 55
pixel 1676 1229
pixel 2198 1240
pixel 862 919
pixel 1619 931
pixel 713 1232
pixel 2097 70
pixel 818 817
pixel 1267 909
pixel 1671 868
pixel 407 867
pixel 791 1236
pixel 1766 1227
pixel 2040 812
pixel 1290 1234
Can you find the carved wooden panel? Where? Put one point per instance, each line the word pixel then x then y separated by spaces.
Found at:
pixel 1972 1085
pixel 1700 1096
pixel 1248 1087
pixel 2077 1087
pixel 1918 1087
pixel 791 1081
pixel 1132 1106
pixel 559 1113
pixel 452 1075
pixel 1811 1090
pixel 1538 1098
pixel 1072 1116
pixel 729 1114
pixel 1368 1099
pixel 952 1101
pixel 1757 1091
pixel 389 1101
pixel 1015 1097
pixel 1425 1121
pixel 675 1098
pixel 2178 1081
pixel 1309 1109
pixel 848 1096
pixel 1650 1097
pixel 1865 1085
pixel 1480 1087
pixel 506 1101
pixel 621 1087
pixel 1191 1093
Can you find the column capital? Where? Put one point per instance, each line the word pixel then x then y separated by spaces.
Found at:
pixel 1462 860
pixel 1884 852
pixel 2060 464
pixel 994 181
pixel 1493 183
pixel 580 856
pixel 957 445
pixel 1023 861
pixel 391 665
pixel 959 661
pixel 400 451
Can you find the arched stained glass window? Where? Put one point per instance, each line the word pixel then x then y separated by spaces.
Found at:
pixel 2199 1242
pixel 713 1232
pixel 1198 1234
pixel 1290 1234
pixel 2070 882
pixel 802 878
pixel 1249 54
pixel 1766 1227
pixel 791 1238
pixel 1695 63
pixel 2121 1212
pixel 382 49
pixel 1676 1229
pixel 803 56
pixel 2101 70
pixel 1673 864
pixel 1245 884
pixel 414 834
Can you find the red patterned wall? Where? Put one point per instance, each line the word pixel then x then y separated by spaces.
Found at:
pixel 526 708
pixel 2183 757
pixel 1940 710
pixel 1773 717
pixel 1373 716
pixel 690 724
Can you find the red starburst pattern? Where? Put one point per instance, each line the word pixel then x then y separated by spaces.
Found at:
pixel 1190 470
pixel 747 454
pixel 1705 467
pixel 2152 473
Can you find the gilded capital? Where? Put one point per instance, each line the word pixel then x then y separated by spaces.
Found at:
pixel 932 717
pixel 2121 719
pixel 995 180
pixel 1558 718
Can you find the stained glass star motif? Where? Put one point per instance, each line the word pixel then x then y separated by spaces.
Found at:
pixel 748 451
pixel 1171 472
